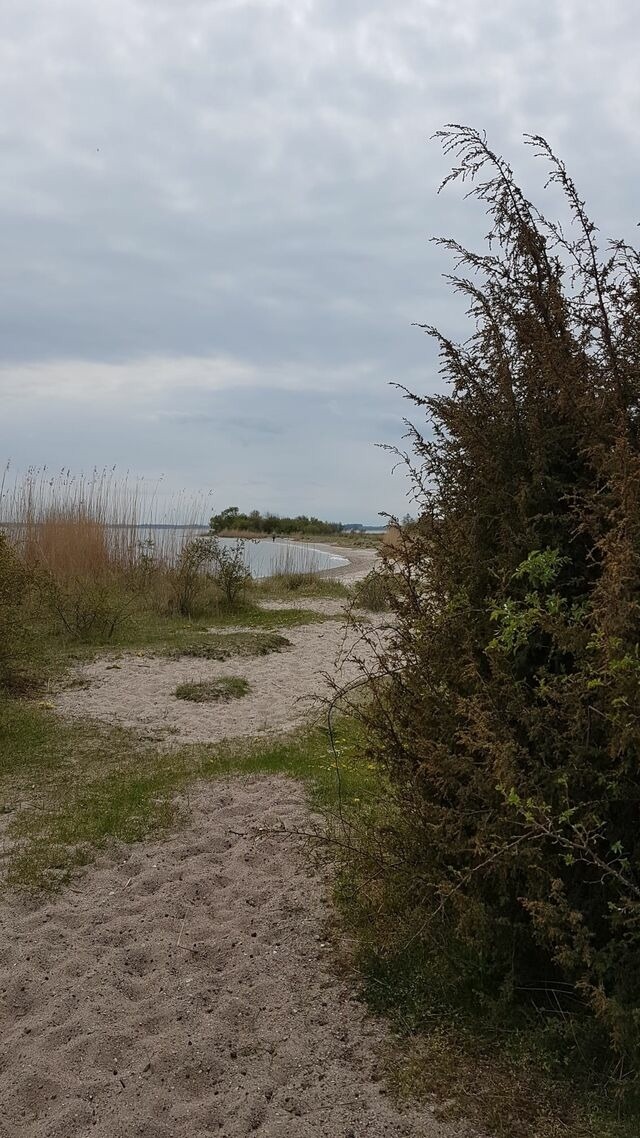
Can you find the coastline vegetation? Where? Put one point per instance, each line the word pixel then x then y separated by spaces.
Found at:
pixel 81 571
pixel 481 793
pixel 231 522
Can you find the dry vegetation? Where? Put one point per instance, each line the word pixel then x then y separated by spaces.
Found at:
pixel 81 568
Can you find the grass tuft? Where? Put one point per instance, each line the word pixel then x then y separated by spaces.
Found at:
pixel 221 690
pixel 225 645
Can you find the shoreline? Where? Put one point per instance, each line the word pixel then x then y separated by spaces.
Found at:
pixel 359 562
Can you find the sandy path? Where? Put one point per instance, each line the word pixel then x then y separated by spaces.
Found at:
pixel 182 989
pixel 138 691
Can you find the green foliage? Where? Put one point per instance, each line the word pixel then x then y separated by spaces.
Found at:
pixel 232 520
pixel 372 591
pixel 219 690
pixel 14 585
pixel 207 571
pixel 231 573
pixel 191 585
pixel 510 718
pixel 94 611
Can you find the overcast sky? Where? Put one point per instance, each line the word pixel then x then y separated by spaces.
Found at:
pixel 215 221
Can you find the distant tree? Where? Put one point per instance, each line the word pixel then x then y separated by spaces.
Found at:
pixel 255 522
pixel 224 520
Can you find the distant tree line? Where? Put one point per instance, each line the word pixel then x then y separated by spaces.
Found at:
pixel 255 522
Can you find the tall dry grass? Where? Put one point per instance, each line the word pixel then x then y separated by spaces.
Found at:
pixel 90 546
pixel 95 525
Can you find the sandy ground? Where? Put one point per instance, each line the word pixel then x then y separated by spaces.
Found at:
pixel 139 691
pixel 361 561
pixel 183 988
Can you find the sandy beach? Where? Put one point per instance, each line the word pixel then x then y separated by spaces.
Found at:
pixel 185 987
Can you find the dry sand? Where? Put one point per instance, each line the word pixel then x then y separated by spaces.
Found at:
pixel 139 691
pixel 361 561
pixel 183 988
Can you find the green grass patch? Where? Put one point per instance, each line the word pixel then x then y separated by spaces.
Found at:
pixel 220 690
pixel 70 787
pixel 223 646
pixel 250 617
pixel 305 585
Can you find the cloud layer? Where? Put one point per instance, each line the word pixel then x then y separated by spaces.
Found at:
pixel 216 217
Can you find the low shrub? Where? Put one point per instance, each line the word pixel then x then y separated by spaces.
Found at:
pixel 92 611
pixel 231 573
pixel 190 582
pixel 372 591
pixel 221 690
pixel 207 576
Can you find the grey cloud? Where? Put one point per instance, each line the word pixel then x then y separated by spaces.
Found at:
pixel 251 181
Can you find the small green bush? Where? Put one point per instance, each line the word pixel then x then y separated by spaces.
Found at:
pixel 190 585
pixel 372 592
pixel 220 690
pixel 87 610
pixel 208 576
pixel 231 573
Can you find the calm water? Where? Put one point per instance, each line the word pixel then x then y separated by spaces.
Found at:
pixel 263 558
